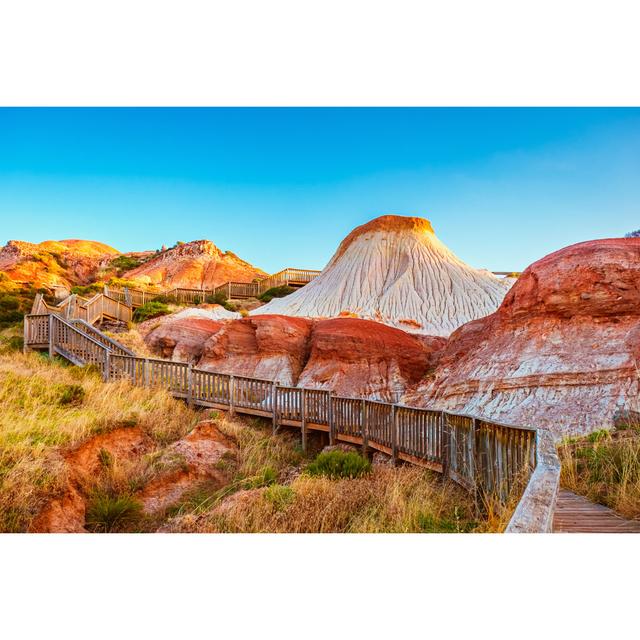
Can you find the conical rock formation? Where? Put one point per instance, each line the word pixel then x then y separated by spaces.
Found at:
pixel 395 270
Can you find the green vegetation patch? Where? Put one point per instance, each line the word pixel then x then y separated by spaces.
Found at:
pixel 122 264
pixel 108 514
pixel 339 464
pixel 153 309
pixel 276 292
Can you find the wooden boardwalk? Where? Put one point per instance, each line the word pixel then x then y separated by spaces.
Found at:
pixel 576 514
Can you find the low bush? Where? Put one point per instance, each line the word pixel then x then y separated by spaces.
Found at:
pixel 149 310
pixel 108 514
pixel 124 263
pixel 279 495
pixel 276 292
pixel 339 464
pixel 221 298
pixel 88 290
pixel 71 395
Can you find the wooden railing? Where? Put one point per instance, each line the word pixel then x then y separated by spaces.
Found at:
pixel 231 290
pixel 487 458
pixel 103 339
pixel 286 277
pixel 91 310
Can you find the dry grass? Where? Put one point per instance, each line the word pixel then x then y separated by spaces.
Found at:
pixel 405 499
pixel 133 340
pixel 46 408
pixel 605 467
pixel 37 425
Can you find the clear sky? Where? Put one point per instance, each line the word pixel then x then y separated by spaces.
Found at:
pixel 282 187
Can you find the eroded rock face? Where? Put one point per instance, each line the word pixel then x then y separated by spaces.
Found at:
pixel 351 356
pixel 269 347
pixel 198 264
pixel 394 270
pixel 562 350
pixel 364 358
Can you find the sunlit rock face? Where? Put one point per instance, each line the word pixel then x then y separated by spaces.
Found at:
pixel 562 350
pixel 268 347
pixel 352 357
pixel 394 270
pixel 52 263
pixel 194 265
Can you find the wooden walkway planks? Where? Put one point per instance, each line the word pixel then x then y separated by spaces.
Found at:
pixel 576 514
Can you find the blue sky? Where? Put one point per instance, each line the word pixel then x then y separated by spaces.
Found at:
pixel 282 187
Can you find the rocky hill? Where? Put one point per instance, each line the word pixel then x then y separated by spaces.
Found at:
pixel 562 351
pixel 198 264
pixel 49 263
pixel 395 270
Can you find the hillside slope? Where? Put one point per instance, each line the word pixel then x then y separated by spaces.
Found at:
pixel 198 264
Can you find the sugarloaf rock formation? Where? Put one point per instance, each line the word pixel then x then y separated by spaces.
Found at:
pixel 55 262
pixel 562 351
pixel 395 270
pixel 352 357
pixel 197 265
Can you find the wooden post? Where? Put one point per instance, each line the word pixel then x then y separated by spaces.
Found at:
pixel 444 430
pixel 25 335
pixel 303 416
pixel 51 335
pixel 332 424
pixel 364 427
pixel 107 365
pixel 274 405
pixel 394 434
pixel 474 457
pixel 190 385
pixel 146 372
pixel 232 393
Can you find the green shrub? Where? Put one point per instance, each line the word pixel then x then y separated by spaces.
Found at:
pixel 276 292
pixel 72 395
pixel 124 263
pixel 279 495
pixel 265 477
pixel 106 514
pixel 221 298
pixel 339 464
pixel 87 290
pixel 150 310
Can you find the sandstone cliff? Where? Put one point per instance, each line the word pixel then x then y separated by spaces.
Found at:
pixel 561 352
pixel 352 357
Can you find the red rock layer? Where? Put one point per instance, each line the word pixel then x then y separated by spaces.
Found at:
pixel 561 352
pixel 364 358
pixel 351 356
pixel 268 347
